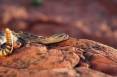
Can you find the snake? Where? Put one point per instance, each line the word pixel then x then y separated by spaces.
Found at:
pixel 10 40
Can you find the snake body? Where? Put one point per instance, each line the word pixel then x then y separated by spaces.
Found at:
pixel 9 39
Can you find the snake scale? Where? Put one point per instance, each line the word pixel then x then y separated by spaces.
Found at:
pixel 9 40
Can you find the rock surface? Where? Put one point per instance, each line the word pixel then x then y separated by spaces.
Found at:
pixel 90 19
pixel 70 58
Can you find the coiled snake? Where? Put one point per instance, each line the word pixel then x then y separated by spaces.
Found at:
pixel 9 40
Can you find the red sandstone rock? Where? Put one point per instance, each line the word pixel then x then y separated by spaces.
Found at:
pixel 79 18
pixel 97 56
pixel 62 59
pixel 85 72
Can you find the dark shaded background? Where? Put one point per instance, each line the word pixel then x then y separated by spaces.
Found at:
pixel 90 19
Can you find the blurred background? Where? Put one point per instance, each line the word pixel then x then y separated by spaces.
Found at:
pixel 88 19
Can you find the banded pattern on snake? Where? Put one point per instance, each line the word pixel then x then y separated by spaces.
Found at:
pixel 10 39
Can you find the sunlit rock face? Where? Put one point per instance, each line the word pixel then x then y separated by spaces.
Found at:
pixel 70 58
pixel 86 19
